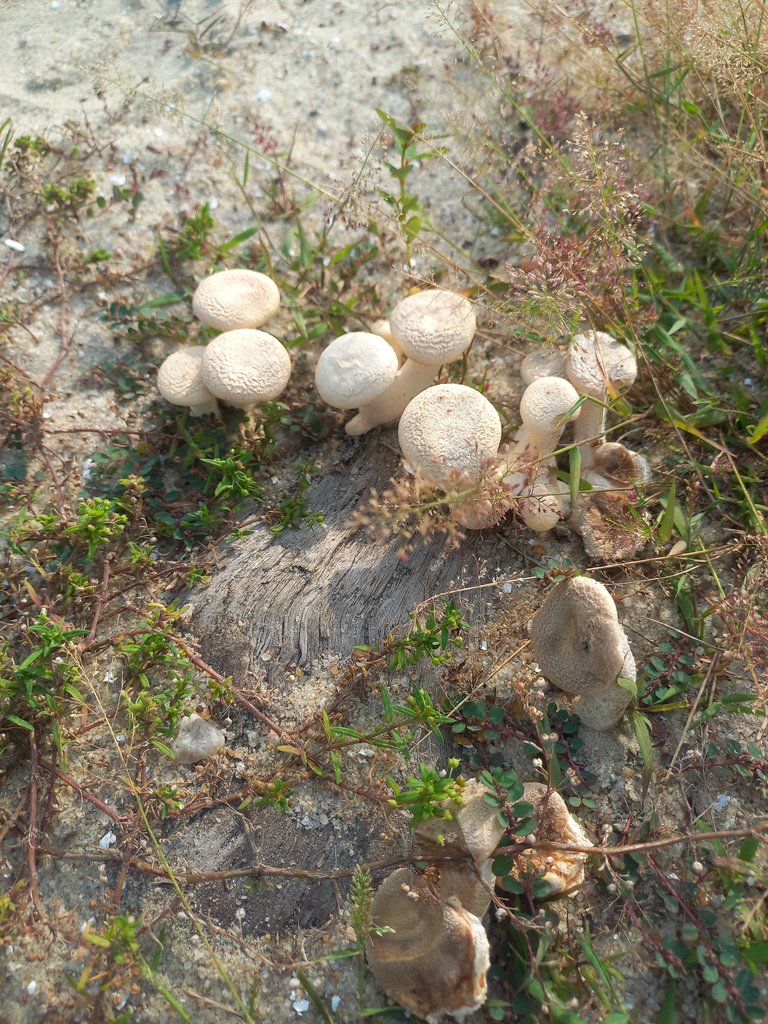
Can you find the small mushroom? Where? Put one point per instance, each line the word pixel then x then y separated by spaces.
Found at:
pixel 474 831
pixel 545 409
pixel 180 382
pixel 432 327
pixel 544 361
pixel 245 368
pixel 599 367
pixel 232 299
pixel 436 956
pixel 381 328
pixel 581 648
pixel 554 823
pixel 355 369
pixel 450 432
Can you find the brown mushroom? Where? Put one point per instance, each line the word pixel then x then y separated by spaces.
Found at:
pixel 434 957
pixel 581 648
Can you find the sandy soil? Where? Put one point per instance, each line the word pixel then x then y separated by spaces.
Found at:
pixel 163 88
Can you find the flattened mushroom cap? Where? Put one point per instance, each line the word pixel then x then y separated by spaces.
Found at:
pixel 619 464
pixel 576 637
pixel 433 327
pixel 598 363
pixel 436 958
pixel 179 379
pixel 555 824
pixel 354 369
pixel 246 367
pixel 232 299
pixel 475 824
pixel 449 427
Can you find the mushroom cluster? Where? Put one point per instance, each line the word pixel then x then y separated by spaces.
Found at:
pixel 450 434
pixel 242 366
pixel 432 953
pixel 428 329
pixel 581 648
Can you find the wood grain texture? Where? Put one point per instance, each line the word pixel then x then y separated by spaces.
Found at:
pixel 318 591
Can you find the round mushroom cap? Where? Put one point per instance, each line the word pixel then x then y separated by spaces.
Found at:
pixel 544 361
pixel 246 367
pixel 598 364
pixel 436 957
pixel 576 637
pixel 354 369
pixel 433 327
pixel 232 299
pixel 449 429
pixel 179 379
pixel 545 401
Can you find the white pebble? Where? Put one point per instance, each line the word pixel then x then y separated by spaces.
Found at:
pixel 264 96
pixel 13 244
pixel 31 988
pixel 301 1006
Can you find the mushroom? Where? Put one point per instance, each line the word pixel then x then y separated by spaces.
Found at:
pixel 435 957
pixel 610 527
pixel 355 369
pixel 474 831
pixel 381 328
pixel 245 368
pixel 599 367
pixel 545 408
pixel 232 299
pixel 544 361
pixel 180 382
pixel 581 648
pixel 450 432
pixel 432 327
pixel 554 823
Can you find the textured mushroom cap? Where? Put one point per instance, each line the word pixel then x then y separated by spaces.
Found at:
pixel 232 299
pixel 545 361
pixel 619 464
pixel 436 958
pixel 179 379
pixel 598 364
pixel 474 831
pixel 576 637
pixel 545 401
pixel 433 327
pixel 555 824
pixel 354 369
pixel 449 427
pixel 475 828
pixel 246 367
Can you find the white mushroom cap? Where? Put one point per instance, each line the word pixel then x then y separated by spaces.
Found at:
pixel 246 367
pixel 436 957
pixel 544 361
pixel 580 646
pixel 354 369
pixel 598 364
pixel 433 327
pixel 449 427
pixel 232 299
pixel 543 408
pixel 180 382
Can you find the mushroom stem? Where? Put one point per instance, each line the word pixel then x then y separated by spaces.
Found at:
pixel 411 380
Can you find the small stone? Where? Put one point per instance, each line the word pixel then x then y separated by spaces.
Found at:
pixel 196 740
pixel 13 244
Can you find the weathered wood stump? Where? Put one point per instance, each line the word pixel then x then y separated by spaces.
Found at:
pixel 308 593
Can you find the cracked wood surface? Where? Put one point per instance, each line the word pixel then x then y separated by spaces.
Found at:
pixel 295 598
